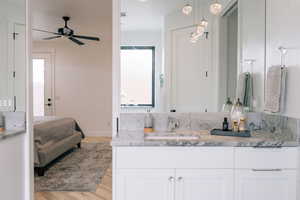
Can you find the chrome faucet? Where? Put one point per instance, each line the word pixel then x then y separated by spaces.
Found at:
pixel 173 124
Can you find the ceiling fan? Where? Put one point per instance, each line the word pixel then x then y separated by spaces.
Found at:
pixel 68 33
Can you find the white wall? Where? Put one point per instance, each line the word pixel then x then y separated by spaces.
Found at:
pixel 283 29
pixel 12 168
pixel 147 38
pixel 83 78
pixel 11 13
pixel 12 156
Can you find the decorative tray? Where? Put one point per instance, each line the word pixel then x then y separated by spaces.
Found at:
pixel 220 132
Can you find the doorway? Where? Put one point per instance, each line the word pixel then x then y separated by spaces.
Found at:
pixel 43 104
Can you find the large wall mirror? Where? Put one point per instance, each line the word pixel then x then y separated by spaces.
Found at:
pixel 176 55
pixel 12 55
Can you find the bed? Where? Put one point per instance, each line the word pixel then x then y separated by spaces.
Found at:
pixel 53 136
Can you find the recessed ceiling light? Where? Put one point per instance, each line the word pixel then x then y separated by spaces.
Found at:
pixel 143 0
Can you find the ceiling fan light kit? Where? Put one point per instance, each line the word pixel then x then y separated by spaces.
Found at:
pixel 68 33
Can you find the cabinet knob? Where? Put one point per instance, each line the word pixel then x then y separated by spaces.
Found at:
pixel 171 178
pixel 179 178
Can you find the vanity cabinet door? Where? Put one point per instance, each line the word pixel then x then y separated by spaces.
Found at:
pixel 140 184
pixel 214 184
pixel 266 184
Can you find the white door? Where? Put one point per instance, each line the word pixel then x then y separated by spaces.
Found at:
pixel 215 184
pixel 43 103
pixel 145 184
pixel 190 88
pixel 266 185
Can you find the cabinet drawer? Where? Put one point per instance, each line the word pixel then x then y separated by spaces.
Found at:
pixel 173 157
pixel 266 158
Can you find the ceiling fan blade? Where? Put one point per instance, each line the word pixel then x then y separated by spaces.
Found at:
pixel 76 41
pixel 53 37
pixel 86 37
pixel 46 31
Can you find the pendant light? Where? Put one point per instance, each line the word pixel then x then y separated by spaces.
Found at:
pixel 204 22
pixel 187 9
pixel 216 8
pixel 194 37
pixel 200 29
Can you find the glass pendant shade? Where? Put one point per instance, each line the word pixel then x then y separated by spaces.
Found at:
pixel 200 29
pixel 204 22
pixel 237 111
pixel 216 8
pixel 187 9
pixel 194 37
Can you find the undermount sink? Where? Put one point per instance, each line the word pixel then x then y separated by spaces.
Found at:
pixel 170 136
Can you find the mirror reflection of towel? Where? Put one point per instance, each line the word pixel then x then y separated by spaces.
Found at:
pixel 275 89
pixel 245 89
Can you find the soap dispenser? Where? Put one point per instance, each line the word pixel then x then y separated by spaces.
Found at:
pixel 148 122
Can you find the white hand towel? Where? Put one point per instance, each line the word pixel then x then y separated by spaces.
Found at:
pixel 275 89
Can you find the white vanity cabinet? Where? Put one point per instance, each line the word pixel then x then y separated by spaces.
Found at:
pixel 265 184
pixel 208 184
pixel 161 184
pixel 263 174
pixel 210 173
pixel 143 184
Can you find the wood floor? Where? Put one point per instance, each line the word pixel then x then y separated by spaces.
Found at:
pixel 103 192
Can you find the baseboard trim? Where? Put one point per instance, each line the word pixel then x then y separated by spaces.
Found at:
pixel 98 133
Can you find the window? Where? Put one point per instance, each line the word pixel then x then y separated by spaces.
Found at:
pixel 137 76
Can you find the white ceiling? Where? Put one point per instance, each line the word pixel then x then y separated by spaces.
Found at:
pixel 147 14
pixel 86 15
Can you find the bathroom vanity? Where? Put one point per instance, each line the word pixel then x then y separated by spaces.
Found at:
pixel 231 60
pixel 211 168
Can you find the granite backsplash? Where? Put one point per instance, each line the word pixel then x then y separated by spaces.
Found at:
pixel 275 124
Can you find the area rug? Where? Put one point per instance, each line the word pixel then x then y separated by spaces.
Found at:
pixel 77 170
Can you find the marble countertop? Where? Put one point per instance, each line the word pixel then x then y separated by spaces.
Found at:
pixel 11 133
pixel 257 139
